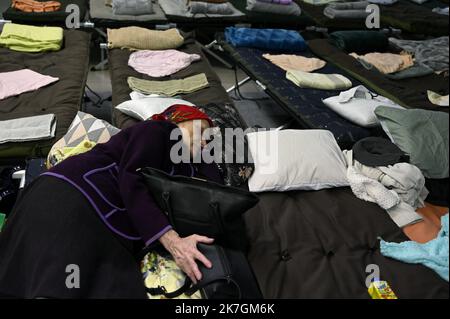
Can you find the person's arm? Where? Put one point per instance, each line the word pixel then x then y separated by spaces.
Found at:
pixel 146 147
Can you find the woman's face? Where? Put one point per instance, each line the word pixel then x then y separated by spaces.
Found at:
pixel 193 135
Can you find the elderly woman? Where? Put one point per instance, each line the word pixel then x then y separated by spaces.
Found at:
pixel 93 212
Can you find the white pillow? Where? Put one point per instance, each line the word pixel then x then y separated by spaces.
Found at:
pixel 358 106
pixel 296 160
pixel 143 109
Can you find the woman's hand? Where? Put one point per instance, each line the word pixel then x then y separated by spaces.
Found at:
pixel 185 252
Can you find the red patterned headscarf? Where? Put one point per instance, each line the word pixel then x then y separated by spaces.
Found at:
pixel 181 113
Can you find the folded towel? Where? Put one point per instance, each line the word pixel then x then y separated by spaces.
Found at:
pixel 132 7
pixel 386 62
pixel 27 38
pixel 266 39
pixel 434 254
pixel 27 129
pixel 319 81
pixel 36 6
pixel 18 82
pixel 210 8
pixel 161 63
pixel 360 41
pixel 350 10
pixel 291 9
pixel 169 88
pixel 295 62
pixel 136 38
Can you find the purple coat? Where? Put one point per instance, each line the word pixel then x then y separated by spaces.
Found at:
pixel 107 177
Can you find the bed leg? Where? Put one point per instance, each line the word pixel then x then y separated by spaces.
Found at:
pixel 241 83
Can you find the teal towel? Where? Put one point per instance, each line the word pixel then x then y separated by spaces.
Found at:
pixel 433 254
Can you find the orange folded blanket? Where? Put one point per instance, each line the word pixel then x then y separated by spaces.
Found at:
pixel 36 6
pixel 429 227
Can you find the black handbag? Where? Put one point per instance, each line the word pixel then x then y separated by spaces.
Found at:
pixel 230 277
pixel 200 207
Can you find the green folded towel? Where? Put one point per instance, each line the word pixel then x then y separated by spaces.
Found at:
pixel 2 220
pixel 319 81
pixel 169 88
pixel 360 41
pixel 27 38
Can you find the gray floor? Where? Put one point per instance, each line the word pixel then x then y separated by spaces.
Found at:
pixel 255 107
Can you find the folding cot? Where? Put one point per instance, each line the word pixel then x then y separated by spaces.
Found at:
pixel 305 105
pixel 62 98
pixel 120 71
pixel 403 15
pixel 410 92
pixel 414 18
pixel 325 244
pixel 57 18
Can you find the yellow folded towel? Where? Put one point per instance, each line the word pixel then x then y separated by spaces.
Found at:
pixel 136 38
pixel 319 81
pixel 27 38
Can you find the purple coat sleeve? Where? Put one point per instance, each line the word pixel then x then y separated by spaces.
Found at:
pixel 147 146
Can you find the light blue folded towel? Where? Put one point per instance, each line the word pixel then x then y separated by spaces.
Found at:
pixel 433 254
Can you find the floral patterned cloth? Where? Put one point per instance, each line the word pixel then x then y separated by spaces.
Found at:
pixel 162 271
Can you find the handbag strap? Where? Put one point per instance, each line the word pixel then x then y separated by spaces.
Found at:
pixel 161 291
pixel 197 287
pixel 190 289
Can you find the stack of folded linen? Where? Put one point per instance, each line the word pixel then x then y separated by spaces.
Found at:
pixel 130 7
pixel 347 10
pixel 35 6
pixel 283 7
pixel 221 7
pixel 31 39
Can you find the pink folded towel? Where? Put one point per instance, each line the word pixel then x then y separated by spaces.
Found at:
pixel 18 82
pixel 159 63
